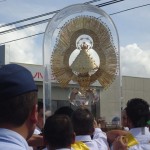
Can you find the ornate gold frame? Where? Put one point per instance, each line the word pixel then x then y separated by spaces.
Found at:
pixel 102 44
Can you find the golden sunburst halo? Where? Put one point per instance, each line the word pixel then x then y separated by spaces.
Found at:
pixel 102 44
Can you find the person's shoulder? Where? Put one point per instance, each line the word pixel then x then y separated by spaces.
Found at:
pixel 11 146
pixel 140 147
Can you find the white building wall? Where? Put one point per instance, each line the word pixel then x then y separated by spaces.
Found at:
pixel 132 87
pixel 135 87
pixel 110 99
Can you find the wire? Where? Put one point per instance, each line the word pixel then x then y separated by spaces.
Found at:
pixel 91 1
pixel 109 14
pixel 129 9
pixel 27 19
pixel 22 38
pixel 38 16
pixel 109 3
pixel 43 21
pixel 24 26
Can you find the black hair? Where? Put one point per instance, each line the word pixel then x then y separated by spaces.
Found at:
pixel 58 131
pixel 40 105
pixel 65 110
pixel 82 120
pixel 138 112
pixel 16 110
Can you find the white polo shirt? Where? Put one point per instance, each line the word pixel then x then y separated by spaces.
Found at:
pixel 99 141
pixel 142 135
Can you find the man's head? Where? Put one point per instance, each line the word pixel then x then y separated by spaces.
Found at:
pixel 18 95
pixel 138 113
pixel 64 110
pixel 58 132
pixel 83 121
pixel 40 122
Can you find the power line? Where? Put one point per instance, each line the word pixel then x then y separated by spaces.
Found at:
pixel 24 26
pixel 38 16
pixel 43 21
pixel 129 9
pixel 91 1
pixel 109 3
pixel 21 38
pixel 27 19
pixel 109 14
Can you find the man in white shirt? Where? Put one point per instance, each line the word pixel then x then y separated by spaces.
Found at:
pixel 137 120
pixel 83 123
pixel 138 115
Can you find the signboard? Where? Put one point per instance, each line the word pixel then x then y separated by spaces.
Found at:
pixel 38 74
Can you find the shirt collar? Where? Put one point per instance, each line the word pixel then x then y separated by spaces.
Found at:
pixel 10 135
pixel 64 149
pixel 139 131
pixel 84 138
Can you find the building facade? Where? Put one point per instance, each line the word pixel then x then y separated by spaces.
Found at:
pixel 111 101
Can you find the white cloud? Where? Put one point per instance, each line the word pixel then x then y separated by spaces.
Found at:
pixel 135 61
pixel 28 50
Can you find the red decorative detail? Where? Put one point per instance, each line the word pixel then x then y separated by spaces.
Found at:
pixel 38 75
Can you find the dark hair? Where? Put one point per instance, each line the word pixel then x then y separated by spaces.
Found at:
pixel 82 120
pixel 58 131
pixel 64 110
pixel 138 112
pixel 15 110
pixel 40 105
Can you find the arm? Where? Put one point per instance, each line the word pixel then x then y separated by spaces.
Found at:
pixel 113 134
pixel 100 137
pixel 120 143
pixel 36 140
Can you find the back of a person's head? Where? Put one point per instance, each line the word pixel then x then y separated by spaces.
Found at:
pixel 82 120
pixel 18 94
pixel 64 110
pixel 40 105
pixel 138 112
pixel 58 132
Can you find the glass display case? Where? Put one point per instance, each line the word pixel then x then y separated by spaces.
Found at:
pixel 81 53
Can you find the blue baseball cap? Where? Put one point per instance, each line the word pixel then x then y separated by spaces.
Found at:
pixel 15 80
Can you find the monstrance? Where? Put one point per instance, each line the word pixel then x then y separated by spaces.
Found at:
pixel 84 49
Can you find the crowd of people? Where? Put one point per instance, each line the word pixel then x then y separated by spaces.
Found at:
pixel 22 126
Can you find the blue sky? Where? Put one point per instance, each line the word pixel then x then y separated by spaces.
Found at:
pixel 133 27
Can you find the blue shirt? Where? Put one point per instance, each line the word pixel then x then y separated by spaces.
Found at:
pixel 10 140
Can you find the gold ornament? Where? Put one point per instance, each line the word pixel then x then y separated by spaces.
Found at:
pixel 84 70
